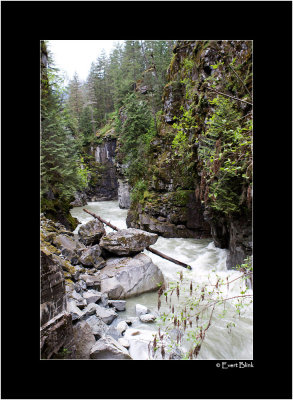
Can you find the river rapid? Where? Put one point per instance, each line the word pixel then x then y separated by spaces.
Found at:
pixel 208 264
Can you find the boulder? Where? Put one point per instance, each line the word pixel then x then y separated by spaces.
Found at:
pixel 124 342
pixel 91 280
pixel 121 327
pixel 89 310
pixel 70 249
pixel 127 241
pixel 139 340
pixel 140 309
pixel 107 315
pixel 126 277
pixel 84 340
pixel 98 327
pixel 91 296
pixel 91 232
pixel 147 318
pixel 78 299
pixel 75 312
pixel 119 305
pixel 91 257
pixel 108 348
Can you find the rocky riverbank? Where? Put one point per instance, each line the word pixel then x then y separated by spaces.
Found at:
pixel 85 279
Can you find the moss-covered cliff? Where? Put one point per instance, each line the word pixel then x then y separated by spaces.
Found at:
pixel 199 176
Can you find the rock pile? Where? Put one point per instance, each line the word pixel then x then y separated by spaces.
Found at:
pixel 92 282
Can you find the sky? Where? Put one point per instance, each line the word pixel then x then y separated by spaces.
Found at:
pixel 73 56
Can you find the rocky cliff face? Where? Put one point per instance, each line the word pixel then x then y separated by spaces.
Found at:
pixel 178 202
pixel 103 183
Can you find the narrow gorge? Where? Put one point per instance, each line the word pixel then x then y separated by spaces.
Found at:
pixel 158 142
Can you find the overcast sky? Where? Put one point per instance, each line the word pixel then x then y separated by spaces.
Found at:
pixel 77 55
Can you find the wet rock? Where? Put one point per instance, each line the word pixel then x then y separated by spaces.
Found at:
pixel 98 326
pixel 126 277
pixel 127 241
pixel 119 305
pixel 108 348
pixel 91 232
pixel 84 340
pixel 140 309
pixel 122 326
pixel 147 318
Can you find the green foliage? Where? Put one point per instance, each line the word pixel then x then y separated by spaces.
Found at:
pixel 225 154
pixel 138 191
pixel 59 158
pixel 136 134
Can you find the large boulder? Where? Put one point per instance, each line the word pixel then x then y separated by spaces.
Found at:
pixel 108 348
pixel 127 241
pixel 84 340
pixel 126 277
pixel 91 257
pixel 91 232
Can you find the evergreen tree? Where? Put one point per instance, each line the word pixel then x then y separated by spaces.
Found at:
pixel 59 159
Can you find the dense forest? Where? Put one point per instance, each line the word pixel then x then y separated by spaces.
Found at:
pixel 165 128
pixel 72 115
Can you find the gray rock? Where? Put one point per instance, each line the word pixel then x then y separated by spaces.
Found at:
pixel 91 257
pixel 107 315
pixel 121 327
pixel 147 318
pixel 75 312
pixel 91 232
pixel 78 299
pixel 108 348
pixel 104 300
pixel 127 241
pixel 123 194
pixel 84 340
pixel 126 277
pixel 91 280
pixel 119 305
pixel 89 310
pixel 92 296
pixel 79 286
pixel 98 327
pixel 139 340
pixel 70 248
pixel 140 309
pixel 124 342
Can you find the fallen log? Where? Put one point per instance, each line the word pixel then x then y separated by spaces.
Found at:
pixel 158 253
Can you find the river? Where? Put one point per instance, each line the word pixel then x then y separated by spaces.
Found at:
pixel 208 264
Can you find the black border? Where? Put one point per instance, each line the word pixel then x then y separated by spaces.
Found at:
pixel 269 25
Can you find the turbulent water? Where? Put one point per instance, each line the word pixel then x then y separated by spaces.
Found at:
pixel 208 264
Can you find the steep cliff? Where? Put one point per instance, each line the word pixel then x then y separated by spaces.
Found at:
pixel 199 177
